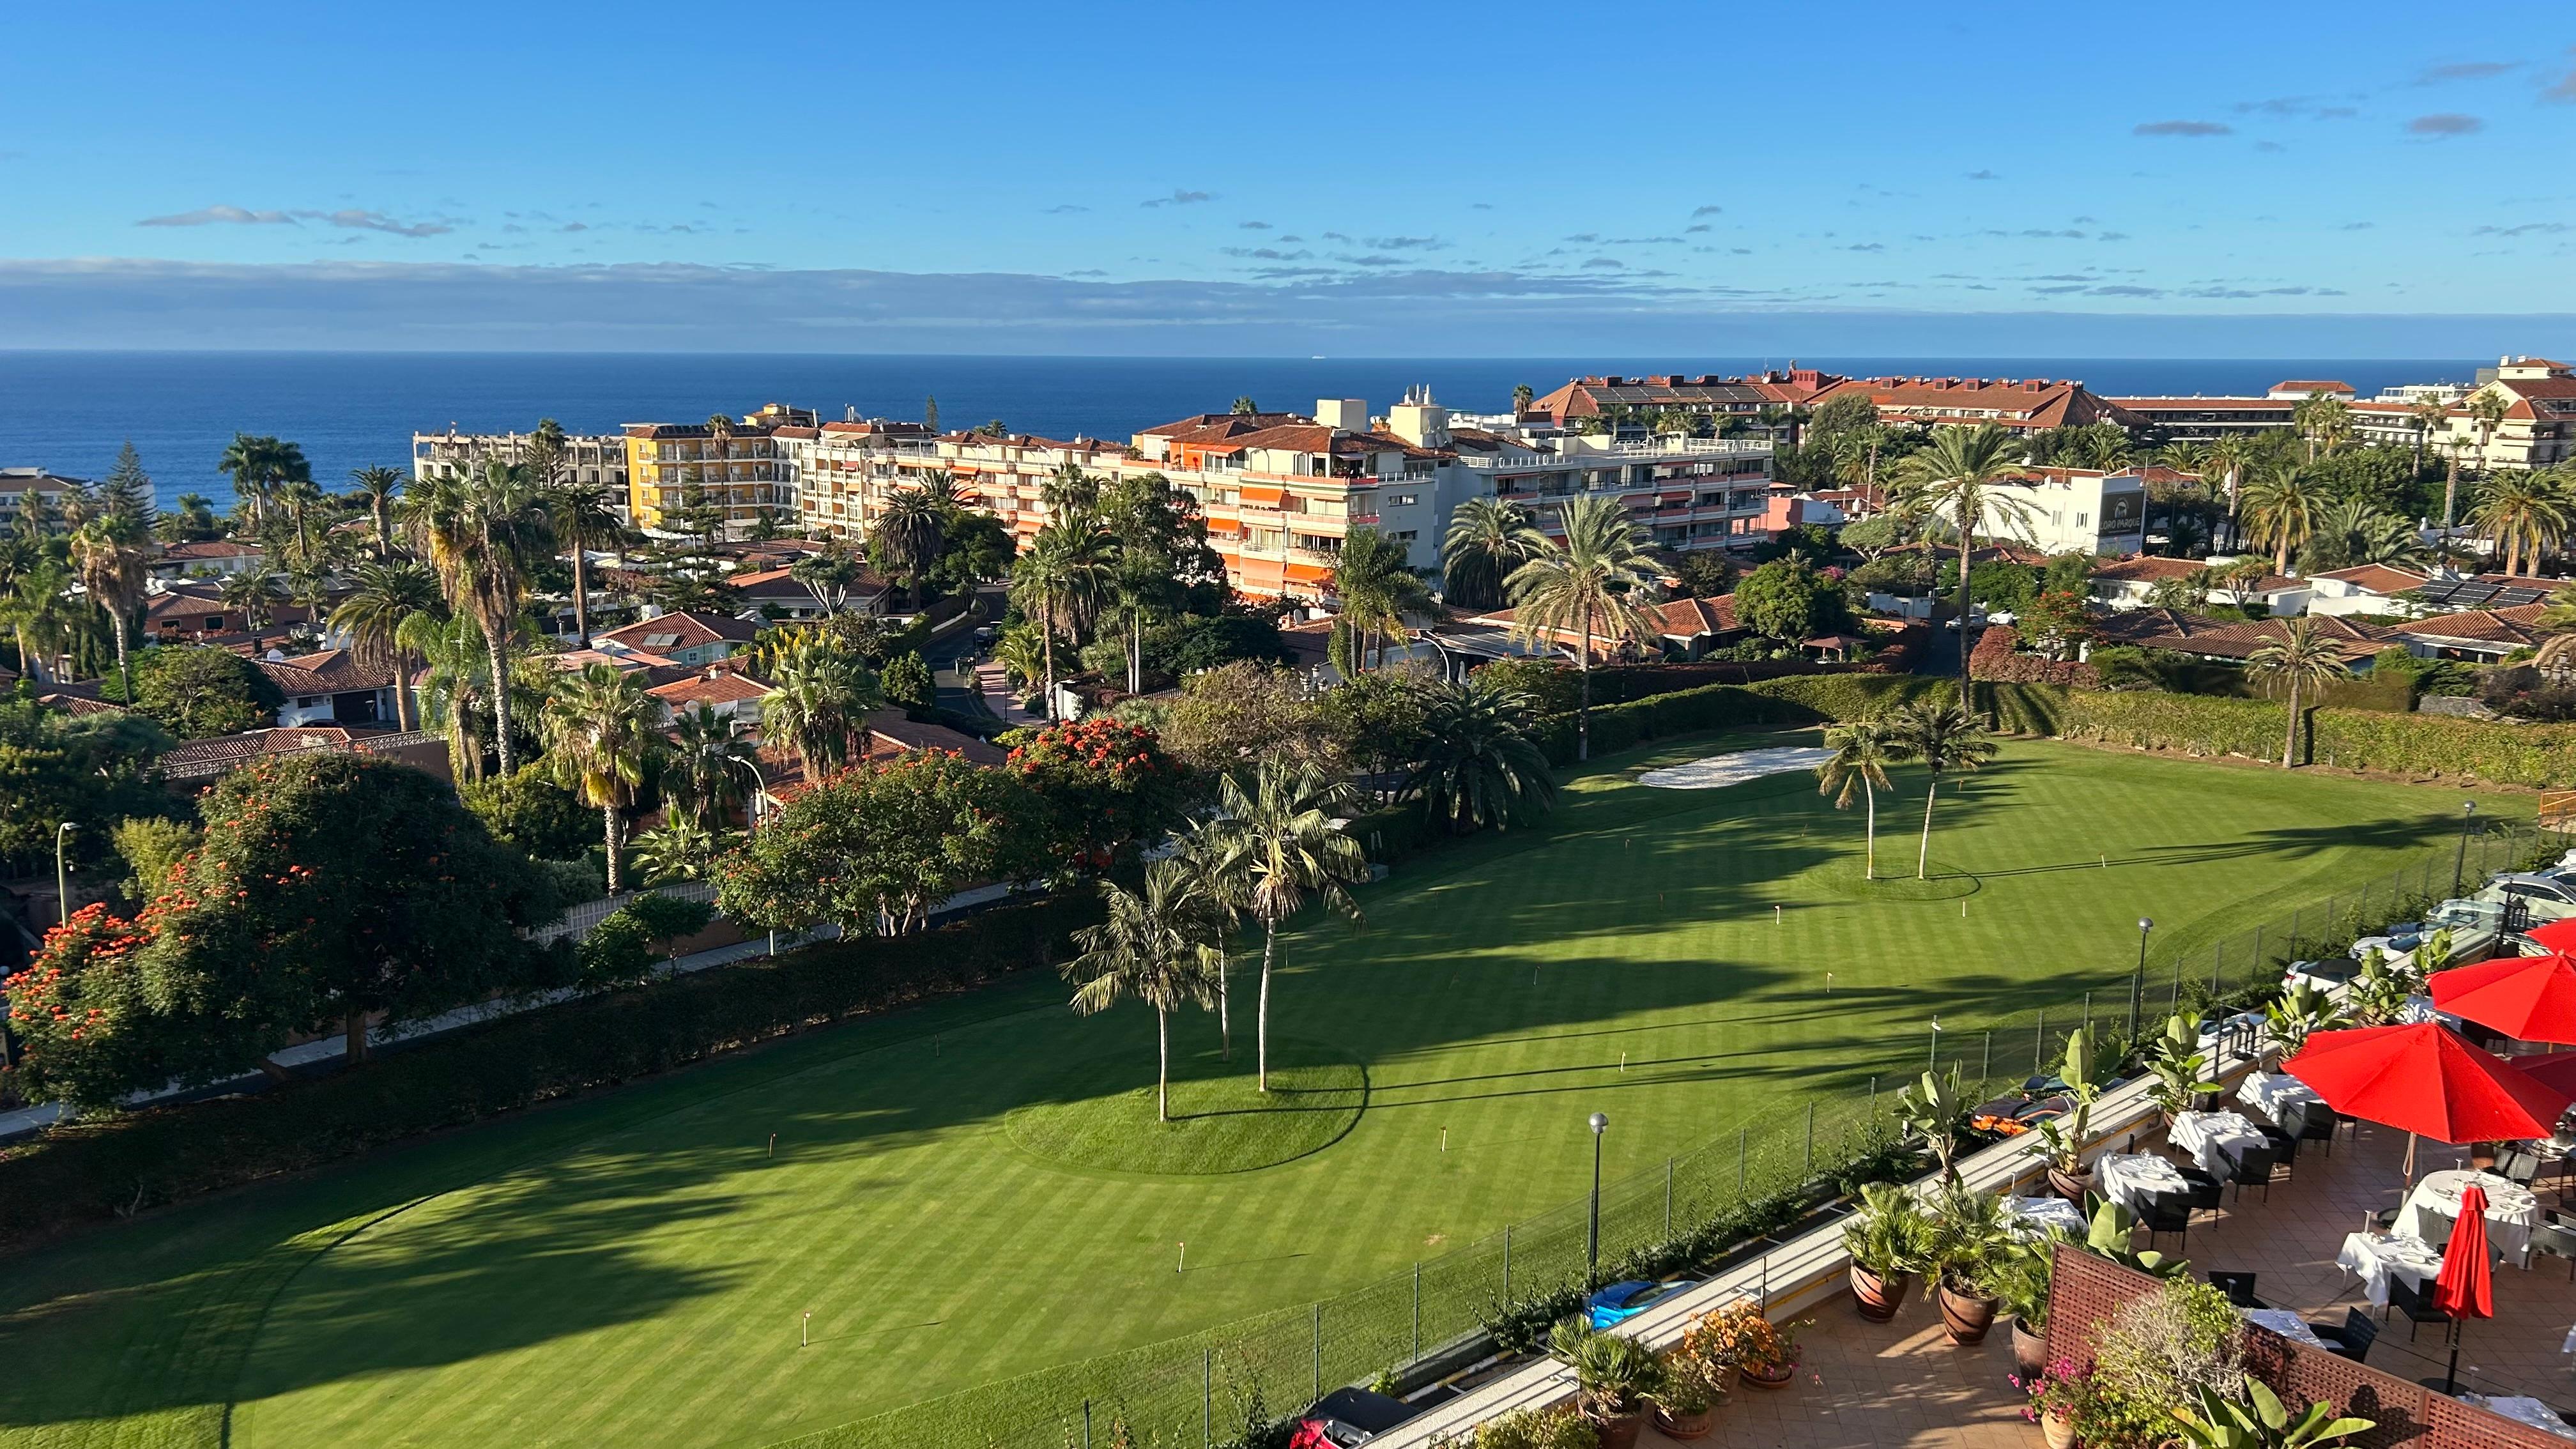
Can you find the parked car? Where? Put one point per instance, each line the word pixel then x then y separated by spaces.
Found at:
pixel 2543 898
pixel 1622 1301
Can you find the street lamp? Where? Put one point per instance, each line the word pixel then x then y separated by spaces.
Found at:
pixel 2468 818
pixel 2138 982
pixel 1592 1238
pixel 62 875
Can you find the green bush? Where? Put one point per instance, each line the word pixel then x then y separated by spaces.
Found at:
pixel 2539 756
pixel 113 1166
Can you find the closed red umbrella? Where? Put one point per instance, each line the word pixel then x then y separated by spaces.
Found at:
pixel 2426 1079
pixel 2463 1290
pixel 2528 998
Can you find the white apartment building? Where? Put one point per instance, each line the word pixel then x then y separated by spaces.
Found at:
pixel 595 459
pixel 2073 510
pixel 1280 491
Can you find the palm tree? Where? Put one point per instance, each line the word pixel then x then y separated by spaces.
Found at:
pixel 455 686
pixel 911 534
pixel 483 532
pixel 1377 588
pixel 300 496
pixel 2355 531
pixel 711 766
pixel 2228 458
pixel 2324 420
pixel 2283 507
pixel 1244 406
pixel 258 465
pixel 583 516
pixel 2427 413
pixel 1281 844
pixel 1962 473
pixel 2558 614
pixel 1200 848
pixel 1943 737
pixel 1153 947
pixel 380 485
pixel 385 595
pixel 1487 538
pixel 600 740
pixel 40 615
pixel 2487 410
pixel 1863 749
pixel 1522 395
pixel 1061 580
pixel 819 691
pixel 681 848
pixel 2301 658
pixel 1480 765
pixel 113 553
pixel 2521 509
pixel 255 591
pixel 1597 583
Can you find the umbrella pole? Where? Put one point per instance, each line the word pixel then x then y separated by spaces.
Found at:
pixel 2410 1162
pixel 2451 1376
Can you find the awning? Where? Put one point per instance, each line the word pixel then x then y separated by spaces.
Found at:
pixel 1254 493
pixel 1306 573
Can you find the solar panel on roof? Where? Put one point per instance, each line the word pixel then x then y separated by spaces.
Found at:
pixel 660 641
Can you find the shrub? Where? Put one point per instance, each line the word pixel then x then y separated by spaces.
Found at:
pixel 113 1166
pixel 1557 1428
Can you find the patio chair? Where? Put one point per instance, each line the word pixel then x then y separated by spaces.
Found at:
pixel 2285 1143
pixel 2352 1338
pixel 2518 1164
pixel 2168 1213
pixel 2203 1195
pixel 2416 1303
pixel 2239 1288
pixel 2252 1168
pixel 2559 1241
pixel 2316 1122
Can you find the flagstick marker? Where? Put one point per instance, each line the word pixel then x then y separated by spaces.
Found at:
pixel 1183 1265
pixel 1775 915
pixel 1444 1139
pixel 773 1144
pixel 1829 983
pixel 1623 1063
pixel 804 1329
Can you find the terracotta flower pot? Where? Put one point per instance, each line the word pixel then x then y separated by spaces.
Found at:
pixel 1878 1298
pixel 1620 1431
pixel 1686 1426
pixel 2057 1428
pixel 2030 1350
pixel 2070 1185
pixel 1777 1378
pixel 1965 1315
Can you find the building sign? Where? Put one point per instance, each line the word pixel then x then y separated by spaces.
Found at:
pixel 2123 513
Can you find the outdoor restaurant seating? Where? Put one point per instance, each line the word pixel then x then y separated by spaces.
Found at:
pixel 2350 1339
pixel 2416 1303
pixel 2557 1241
pixel 2167 1214
pixel 2203 1195
pixel 2316 1123
pixel 2518 1164
pixel 2252 1168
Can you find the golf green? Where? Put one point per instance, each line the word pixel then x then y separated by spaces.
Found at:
pixel 954 1197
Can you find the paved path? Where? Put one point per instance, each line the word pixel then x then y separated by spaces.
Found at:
pixel 995 682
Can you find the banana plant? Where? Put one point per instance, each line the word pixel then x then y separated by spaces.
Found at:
pixel 2181 1068
pixel 2061 1139
pixel 2217 1422
pixel 2378 994
pixel 2109 1236
pixel 1931 1107
pixel 2301 1011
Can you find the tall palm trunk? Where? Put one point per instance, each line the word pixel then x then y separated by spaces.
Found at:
pixel 1135 653
pixel 1583 710
pixel 404 708
pixel 580 593
pixel 608 815
pixel 124 659
pixel 353 1035
pixel 1261 1026
pixel 2450 494
pixel 1869 839
pixel 28 663
pixel 1923 856
pixel 497 652
pixel 1224 1025
pixel 1048 644
pixel 1967 543
pixel 1163 1065
pixel 2290 741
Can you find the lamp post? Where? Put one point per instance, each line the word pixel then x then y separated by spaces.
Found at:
pixel 2138 982
pixel 62 875
pixel 2459 866
pixel 1592 1237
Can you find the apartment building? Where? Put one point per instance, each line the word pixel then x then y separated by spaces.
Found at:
pixel 737 465
pixel 1280 491
pixel 2539 426
pixel 2073 510
pixel 2019 405
pixel 2206 419
pixel 48 487
pixel 598 460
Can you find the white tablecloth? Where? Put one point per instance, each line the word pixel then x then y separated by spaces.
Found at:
pixel 2375 1260
pixel 2269 1092
pixel 2523 1411
pixel 2512 1211
pixel 2129 1179
pixel 2285 1323
pixel 2034 1216
pixel 2213 1137
pixel 2420 1008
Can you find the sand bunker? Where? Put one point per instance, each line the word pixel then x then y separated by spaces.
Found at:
pixel 1719 771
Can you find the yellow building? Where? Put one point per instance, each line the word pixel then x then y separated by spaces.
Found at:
pixel 737 464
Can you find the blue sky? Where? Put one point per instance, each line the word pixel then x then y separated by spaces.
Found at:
pixel 1500 178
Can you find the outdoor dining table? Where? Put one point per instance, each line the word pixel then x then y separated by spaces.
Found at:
pixel 2271 1093
pixel 2523 1409
pixel 2375 1260
pixel 2285 1323
pixel 2131 1178
pixel 2034 1216
pixel 2512 1211
pixel 2214 1139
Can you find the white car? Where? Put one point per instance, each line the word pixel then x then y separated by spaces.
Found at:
pixel 2546 898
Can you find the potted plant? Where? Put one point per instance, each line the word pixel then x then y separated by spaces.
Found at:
pixel 1687 1400
pixel 1613 1375
pixel 1765 1354
pixel 2019 1277
pixel 2061 1139
pixel 1557 1428
pixel 2215 1421
pixel 2061 1398
pixel 2287 1022
pixel 1968 1230
pixel 1885 1239
pixel 1930 1108
pixel 2181 1069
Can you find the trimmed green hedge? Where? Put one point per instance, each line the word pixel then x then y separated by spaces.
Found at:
pixel 2538 756
pixel 93 1171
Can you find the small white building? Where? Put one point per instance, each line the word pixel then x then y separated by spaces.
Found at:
pixel 2073 510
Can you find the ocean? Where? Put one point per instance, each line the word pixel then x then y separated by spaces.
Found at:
pixel 70 411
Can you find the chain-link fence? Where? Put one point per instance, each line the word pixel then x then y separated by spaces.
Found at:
pixel 1722 1196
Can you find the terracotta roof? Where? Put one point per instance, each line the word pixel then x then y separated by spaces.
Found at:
pixel 778 583
pixel 2148 570
pixel 2026 405
pixel 2230 638
pixel 684 629
pixel 900 735
pixel 330 671
pixel 70 703
pixel 2377 578
pixel 253 743
pixel 1216 427
pixel 2311 385
pixel 1690 618
pixel 209 549
pixel 709 686
pixel 2515 627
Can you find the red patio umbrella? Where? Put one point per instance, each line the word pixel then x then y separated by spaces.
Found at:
pixel 2559 935
pixel 2528 998
pixel 2463 1290
pixel 2555 1070
pixel 2429 1080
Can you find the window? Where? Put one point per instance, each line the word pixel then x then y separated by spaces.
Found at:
pixel 1404 500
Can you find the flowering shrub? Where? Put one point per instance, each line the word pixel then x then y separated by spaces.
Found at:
pixel 1103 788
pixel 1740 1334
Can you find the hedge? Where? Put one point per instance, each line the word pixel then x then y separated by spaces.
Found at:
pixel 111 1167
pixel 2538 756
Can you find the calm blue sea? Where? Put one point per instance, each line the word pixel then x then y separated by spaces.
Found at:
pixel 69 411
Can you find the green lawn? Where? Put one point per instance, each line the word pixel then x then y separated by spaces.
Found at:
pixel 630 1269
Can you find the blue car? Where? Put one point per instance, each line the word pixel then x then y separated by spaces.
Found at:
pixel 1622 1301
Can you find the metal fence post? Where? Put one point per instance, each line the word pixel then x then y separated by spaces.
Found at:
pixel 1987 1072
pixel 1668 1197
pixel 1743 1151
pixel 1811 1138
pixel 1086 1422
pixel 1507 1274
pixel 1207 1398
pixel 2294 934
pixel 2088 1013
pixel 1873 1099
pixel 1417 1313
pixel 2217 963
pixel 1319 1343
pixel 2258 955
pixel 2039 1042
